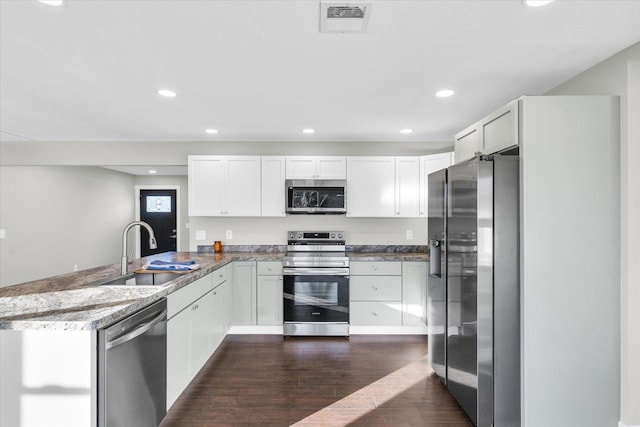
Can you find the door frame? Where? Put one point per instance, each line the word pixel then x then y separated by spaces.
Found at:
pixel 138 188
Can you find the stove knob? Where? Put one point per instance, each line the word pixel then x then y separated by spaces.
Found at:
pixel 332 235
pixel 340 236
pixel 299 236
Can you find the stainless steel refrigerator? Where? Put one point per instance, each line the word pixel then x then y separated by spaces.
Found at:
pixel 473 296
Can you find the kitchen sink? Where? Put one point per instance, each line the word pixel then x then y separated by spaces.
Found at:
pixel 136 280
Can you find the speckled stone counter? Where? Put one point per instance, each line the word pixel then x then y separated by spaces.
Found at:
pixel 70 302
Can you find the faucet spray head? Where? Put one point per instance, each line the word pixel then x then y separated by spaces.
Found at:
pixel 152 243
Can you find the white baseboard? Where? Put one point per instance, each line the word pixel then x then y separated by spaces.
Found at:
pixel 353 330
pixel 257 330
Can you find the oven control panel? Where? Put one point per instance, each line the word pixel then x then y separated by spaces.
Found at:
pixel 310 236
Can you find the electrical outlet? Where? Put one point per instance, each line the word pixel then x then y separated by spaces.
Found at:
pixel 229 234
pixel 201 235
pixel 3 234
pixel 409 234
pixel 75 267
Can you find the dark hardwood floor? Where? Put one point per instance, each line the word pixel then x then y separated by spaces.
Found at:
pixel 367 380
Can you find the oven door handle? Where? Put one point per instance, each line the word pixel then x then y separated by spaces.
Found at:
pixel 301 271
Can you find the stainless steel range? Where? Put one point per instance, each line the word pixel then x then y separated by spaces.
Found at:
pixel 316 284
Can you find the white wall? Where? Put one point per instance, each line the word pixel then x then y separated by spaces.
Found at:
pixel 175 153
pixel 272 231
pixel 620 75
pixel 56 217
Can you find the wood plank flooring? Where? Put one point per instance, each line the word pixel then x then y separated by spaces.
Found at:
pixel 366 380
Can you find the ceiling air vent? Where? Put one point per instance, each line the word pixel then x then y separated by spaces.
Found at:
pixel 336 17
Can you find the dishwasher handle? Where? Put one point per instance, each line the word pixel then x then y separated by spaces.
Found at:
pixel 137 331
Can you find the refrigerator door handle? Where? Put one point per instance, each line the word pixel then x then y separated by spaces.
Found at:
pixel 435 258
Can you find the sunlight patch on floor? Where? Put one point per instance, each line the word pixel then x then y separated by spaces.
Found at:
pixel 368 398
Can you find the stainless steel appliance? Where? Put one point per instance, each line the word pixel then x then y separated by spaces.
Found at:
pixel 132 369
pixel 316 284
pixel 473 296
pixel 318 196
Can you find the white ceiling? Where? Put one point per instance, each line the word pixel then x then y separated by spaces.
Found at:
pixel 262 71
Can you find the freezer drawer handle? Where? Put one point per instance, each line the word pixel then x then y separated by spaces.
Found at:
pixel 435 258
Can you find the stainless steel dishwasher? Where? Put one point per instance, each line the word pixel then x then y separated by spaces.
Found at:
pixel 132 369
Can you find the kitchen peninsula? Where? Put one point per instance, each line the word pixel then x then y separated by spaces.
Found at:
pixel 49 328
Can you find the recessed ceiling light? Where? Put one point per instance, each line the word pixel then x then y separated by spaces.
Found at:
pixel 406 131
pixel 308 130
pixel 536 3
pixel 444 93
pixel 52 2
pixel 168 93
pixel 153 171
pixel 211 131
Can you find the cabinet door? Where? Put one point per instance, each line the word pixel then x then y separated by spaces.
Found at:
pixel 376 288
pixel 178 355
pixel 375 313
pixel 273 176
pixel 270 300
pixel 467 144
pixel 371 186
pixel 500 129
pixel 244 293
pixel 331 167
pixel 429 164
pixel 414 292
pixel 200 320
pixel 301 167
pixel 206 185
pixel 408 186
pixel 218 316
pixel 243 186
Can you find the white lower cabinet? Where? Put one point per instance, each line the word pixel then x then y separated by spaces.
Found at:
pixel 387 293
pixel 376 293
pixel 270 300
pixel 195 327
pixel 414 293
pixel 244 293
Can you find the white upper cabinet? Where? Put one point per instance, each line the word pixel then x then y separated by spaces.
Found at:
pixel 496 132
pixel 407 186
pixel 500 129
pixel 467 143
pixel 273 176
pixel 429 164
pixel 371 186
pixel 224 185
pixel 316 167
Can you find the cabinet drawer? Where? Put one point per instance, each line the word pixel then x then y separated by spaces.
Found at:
pixel 219 276
pixel 270 268
pixel 376 288
pixel 376 313
pixel 376 268
pixel 183 297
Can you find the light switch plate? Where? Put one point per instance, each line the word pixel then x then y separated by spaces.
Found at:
pixel 229 235
pixel 3 234
pixel 201 235
pixel 409 234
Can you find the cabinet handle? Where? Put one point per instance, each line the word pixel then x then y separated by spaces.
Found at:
pixel 269 268
pixel 374 314
pixel 375 267
pixel 374 288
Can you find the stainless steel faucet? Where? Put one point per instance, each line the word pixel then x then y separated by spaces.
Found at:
pixel 124 263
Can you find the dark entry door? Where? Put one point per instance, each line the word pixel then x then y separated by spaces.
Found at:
pixel 158 209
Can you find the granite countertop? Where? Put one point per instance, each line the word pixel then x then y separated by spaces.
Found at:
pixel 70 302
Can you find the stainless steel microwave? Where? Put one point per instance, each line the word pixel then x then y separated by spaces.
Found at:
pixel 316 196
